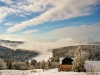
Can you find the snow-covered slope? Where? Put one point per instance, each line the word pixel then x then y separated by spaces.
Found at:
pixel 44 56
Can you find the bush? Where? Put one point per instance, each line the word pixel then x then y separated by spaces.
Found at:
pixel 2 64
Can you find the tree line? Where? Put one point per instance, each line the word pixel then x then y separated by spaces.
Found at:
pixel 19 60
pixel 8 54
pixel 90 52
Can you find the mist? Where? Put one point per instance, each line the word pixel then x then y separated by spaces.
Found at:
pixel 45 47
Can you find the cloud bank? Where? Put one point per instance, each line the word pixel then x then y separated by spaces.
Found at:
pixel 29 31
pixel 83 31
pixel 86 31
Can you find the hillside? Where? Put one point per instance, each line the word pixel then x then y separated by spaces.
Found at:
pixel 8 41
pixel 13 55
pixel 92 50
pixel 10 44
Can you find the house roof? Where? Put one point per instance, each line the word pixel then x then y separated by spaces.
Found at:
pixel 94 65
pixel 60 60
pixel 65 60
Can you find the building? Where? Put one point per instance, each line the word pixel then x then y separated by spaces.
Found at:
pixel 65 64
pixel 92 66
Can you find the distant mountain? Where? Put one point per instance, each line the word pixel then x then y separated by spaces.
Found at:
pixel 95 43
pixel 8 41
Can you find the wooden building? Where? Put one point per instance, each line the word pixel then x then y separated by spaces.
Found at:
pixel 65 64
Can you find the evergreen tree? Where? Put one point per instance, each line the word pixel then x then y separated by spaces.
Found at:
pixel 33 62
pixel 10 66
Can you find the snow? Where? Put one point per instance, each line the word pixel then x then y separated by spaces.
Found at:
pixel 14 72
pixel 44 56
pixel 40 72
pixel 60 61
pixel 55 72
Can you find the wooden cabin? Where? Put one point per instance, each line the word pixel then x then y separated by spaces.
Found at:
pixel 65 64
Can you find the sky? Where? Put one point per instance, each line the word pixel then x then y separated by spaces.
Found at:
pixel 50 20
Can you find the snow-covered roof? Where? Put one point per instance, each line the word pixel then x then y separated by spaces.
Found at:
pixel 94 65
pixel 60 61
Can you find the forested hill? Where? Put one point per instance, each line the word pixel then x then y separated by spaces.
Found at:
pixel 92 50
pixel 8 41
pixel 16 55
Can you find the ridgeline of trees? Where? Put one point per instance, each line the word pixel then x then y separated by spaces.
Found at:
pixel 8 41
pixel 92 50
pixel 16 59
pixel 10 55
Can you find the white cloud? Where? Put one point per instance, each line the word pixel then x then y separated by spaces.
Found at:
pixel 43 47
pixel 88 32
pixel 84 31
pixel 29 31
pixel 8 24
pixel 6 1
pixel 26 37
pixel 34 5
pixel 5 11
pixel 58 10
pixel 12 37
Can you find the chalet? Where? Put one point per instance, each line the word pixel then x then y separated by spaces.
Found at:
pixel 65 64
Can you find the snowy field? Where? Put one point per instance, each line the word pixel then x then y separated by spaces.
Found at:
pixel 55 72
pixel 37 72
pixel 14 72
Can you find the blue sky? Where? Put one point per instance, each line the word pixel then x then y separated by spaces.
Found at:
pixel 50 20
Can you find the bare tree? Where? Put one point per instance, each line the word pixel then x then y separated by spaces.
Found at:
pixel 2 64
pixel 93 70
pixel 79 58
